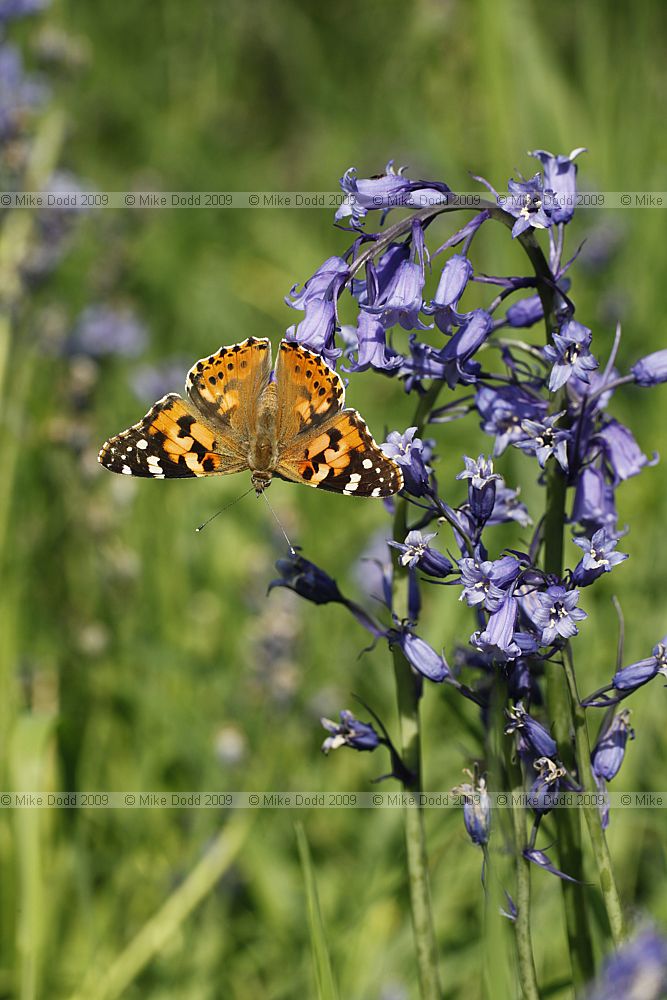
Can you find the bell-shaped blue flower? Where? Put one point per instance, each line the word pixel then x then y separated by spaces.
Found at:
pixel 651 370
pixel 609 750
pixel 349 732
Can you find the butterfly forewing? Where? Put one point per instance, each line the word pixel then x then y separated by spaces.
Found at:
pixel 227 386
pixel 309 392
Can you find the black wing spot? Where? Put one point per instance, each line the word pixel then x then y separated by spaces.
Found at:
pixel 322 391
pixel 230 366
pixel 309 374
pixel 297 368
pixel 335 434
pixel 208 465
pixel 185 423
pixel 211 379
pixel 308 473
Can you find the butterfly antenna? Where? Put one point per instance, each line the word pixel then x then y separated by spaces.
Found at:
pixel 223 509
pixel 292 550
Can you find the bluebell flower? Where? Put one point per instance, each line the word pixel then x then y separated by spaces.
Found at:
pixel 423 362
pixel 594 505
pixel 152 381
pixel 555 613
pixel 325 283
pixel 609 750
pixel 599 556
pixel 316 331
pixel 372 348
pixel 499 638
pixel 103 329
pixel 379 274
pixel 453 280
pixel 390 190
pixel 307 580
pixel 526 203
pixel 401 299
pixel 508 507
pixel 571 355
pixel 421 657
pixel 542 860
pixel 637 971
pixel 417 553
pixel 485 583
pixel 461 347
pixel 503 409
pixel 539 739
pixel 525 312
pixel 637 674
pixel 560 179
pixel 349 732
pixel 542 439
pixel 476 808
pixel 481 487
pixel 408 451
pixel 651 370
pixel 544 789
pixel 623 456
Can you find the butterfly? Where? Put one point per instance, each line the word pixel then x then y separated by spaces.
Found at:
pixel 240 415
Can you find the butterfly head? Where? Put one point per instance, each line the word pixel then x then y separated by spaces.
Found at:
pixel 261 481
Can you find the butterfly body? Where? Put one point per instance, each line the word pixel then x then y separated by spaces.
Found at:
pixel 238 416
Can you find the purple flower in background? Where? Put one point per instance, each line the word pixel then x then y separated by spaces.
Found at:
pixel 599 556
pixel 609 750
pixel 481 488
pixel 410 453
pixel 421 657
pixel 485 583
pixel 418 554
pixel 637 971
pixel 555 612
pixel 542 439
pixel 637 674
pixel 20 93
pixel 560 174
pixel 102 330
pixel 503 409
pixel 651 370
pixel 372 348
pixel 453 280
pixel 623 456
pixel 13 9
pixel 150 382
pixel 538 739
pixel 571 355
pixel 498 638
pixel 594 504
pixel 349 732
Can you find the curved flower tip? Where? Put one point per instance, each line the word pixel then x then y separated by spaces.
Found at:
pixel 651 370
pixel 542 860
pixel 349 732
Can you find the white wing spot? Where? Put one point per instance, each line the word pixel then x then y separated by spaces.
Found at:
pixel 126 470
pixel 368 464
pixel 142 444
pixel 351 487
pixel 154 466
pixel 355 478
pixel 377 468
pixel 376 492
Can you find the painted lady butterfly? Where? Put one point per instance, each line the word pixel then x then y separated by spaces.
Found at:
pixel 239 416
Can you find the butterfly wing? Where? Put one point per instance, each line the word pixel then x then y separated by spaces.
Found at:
pixel 227 386
pixel 172 441
pixel 319 443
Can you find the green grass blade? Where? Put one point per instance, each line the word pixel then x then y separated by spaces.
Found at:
pixel 326 985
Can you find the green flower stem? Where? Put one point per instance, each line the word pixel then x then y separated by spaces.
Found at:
pixel 608 886
pixel 408 690
pixel 524 944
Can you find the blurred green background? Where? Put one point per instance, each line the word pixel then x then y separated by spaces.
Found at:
pixel 136 655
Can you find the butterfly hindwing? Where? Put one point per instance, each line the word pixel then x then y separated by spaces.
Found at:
pixel 171 442
pixel 226 387
pixel 342 457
